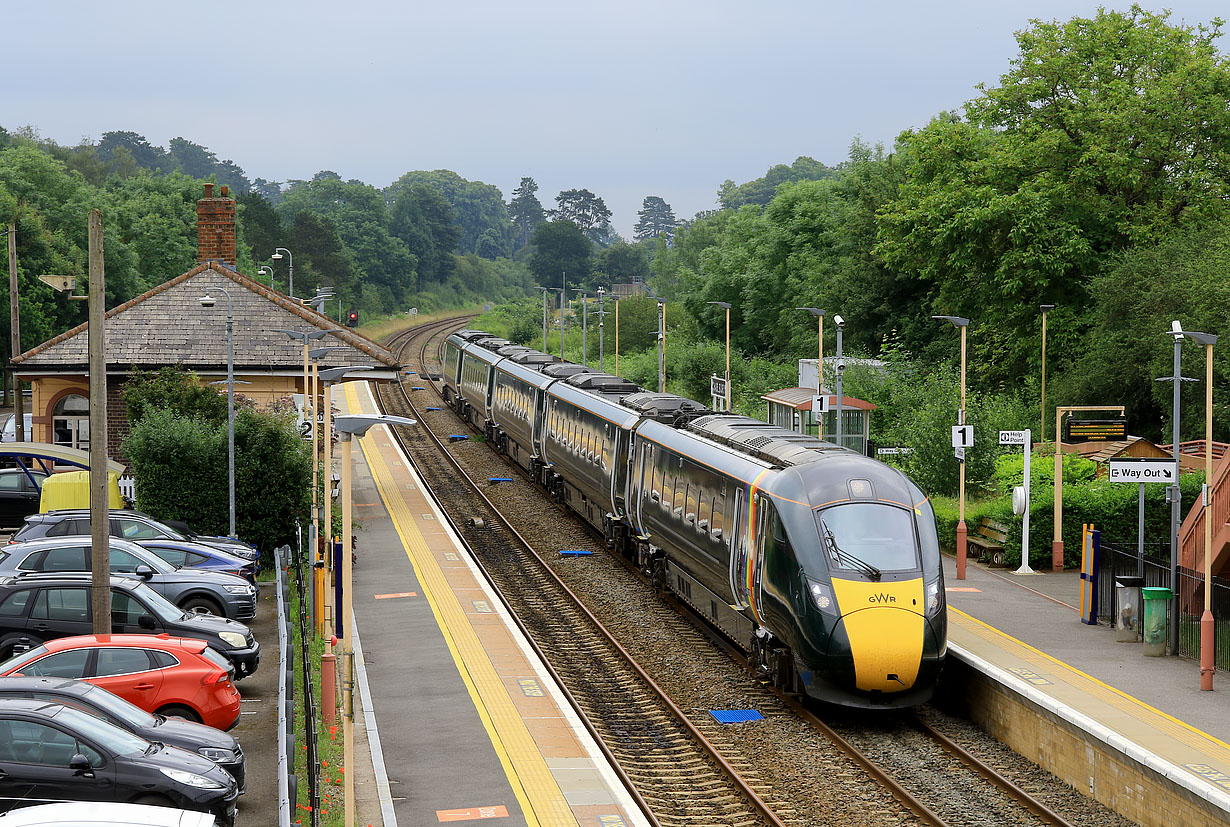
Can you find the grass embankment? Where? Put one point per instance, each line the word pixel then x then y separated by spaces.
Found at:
pixel 328 739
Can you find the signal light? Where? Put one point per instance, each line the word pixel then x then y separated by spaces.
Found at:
pixel 352 319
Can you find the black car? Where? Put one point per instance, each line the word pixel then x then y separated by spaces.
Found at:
pixel 211 743
pixel 128 525
pixel 50 752
pixel 20 491
pixel 46 605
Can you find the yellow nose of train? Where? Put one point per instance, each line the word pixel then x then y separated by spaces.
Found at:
pixel 885 625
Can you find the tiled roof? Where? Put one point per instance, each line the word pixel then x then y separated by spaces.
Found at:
pixel 801 399
pixel 168 326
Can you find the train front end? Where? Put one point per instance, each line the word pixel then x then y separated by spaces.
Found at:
pixel 874 625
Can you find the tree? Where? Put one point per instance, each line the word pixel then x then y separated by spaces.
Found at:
pixel 423 218
pixel 761 191
pixel 561 251
pixel 477 207
pixel 586 210
pixel 525 211
pixel 1108 132
pixel 262 228
pixel 655 219
pixel 141 152
pixel 621 263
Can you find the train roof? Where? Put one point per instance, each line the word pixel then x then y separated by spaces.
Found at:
pixel 562 370
pixel 533 357
pixel 664 407
pixel 603 406
pixel 510 349
pixel 603 383
pixel 471 335
pixel 770 443
pixel 478 351
pixel 526 373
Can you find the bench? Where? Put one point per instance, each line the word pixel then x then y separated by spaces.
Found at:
pixel 987 540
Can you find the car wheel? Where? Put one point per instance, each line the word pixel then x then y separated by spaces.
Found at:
pixel 153 800
pixel 202 606
pixel 177 711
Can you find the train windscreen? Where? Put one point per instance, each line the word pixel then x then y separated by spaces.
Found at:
pixel 868 537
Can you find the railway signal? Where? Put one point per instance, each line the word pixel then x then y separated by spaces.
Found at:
pixel 352 318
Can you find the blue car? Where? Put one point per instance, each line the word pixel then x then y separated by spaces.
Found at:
pixel 183 554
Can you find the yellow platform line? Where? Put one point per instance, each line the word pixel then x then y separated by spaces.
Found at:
pixel 541 799
pixel 987 631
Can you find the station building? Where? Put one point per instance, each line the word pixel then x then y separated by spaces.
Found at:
pixel 168 326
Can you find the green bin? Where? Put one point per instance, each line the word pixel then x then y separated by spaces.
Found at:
pixel 1157 602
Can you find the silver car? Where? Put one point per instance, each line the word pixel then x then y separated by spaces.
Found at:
pixel 193 590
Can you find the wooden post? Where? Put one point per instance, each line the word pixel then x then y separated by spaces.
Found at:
pixel 100 516
pixel 19 403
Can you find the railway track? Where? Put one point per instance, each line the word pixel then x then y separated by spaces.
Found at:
pixel 790 768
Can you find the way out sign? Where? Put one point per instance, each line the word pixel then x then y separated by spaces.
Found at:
pixel 1141 469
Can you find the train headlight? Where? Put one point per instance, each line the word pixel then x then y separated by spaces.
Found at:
pixel 822 596
pixel 935 597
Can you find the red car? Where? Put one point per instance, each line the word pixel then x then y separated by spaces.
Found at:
pixel 177 677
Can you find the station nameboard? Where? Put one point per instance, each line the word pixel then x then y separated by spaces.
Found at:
pixel 1095 430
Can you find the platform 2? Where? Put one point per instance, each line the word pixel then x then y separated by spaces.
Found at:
pixel 1134 732
pixel 469 723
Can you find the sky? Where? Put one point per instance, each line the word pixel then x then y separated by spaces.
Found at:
pixel 626 99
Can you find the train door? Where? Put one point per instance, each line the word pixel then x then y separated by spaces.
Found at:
pixel 644 470
pixel 619 471
pixel 739 552
pixel 763 512
pixel 539 422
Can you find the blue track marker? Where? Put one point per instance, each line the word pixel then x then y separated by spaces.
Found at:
pixel 433 409
pixel 411 373
pixel 417 388
pixel 499 479
pixel 457 437
pixel 735 716
pixel 575 552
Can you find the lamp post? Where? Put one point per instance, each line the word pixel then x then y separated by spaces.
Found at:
pixel 584 329
pixel 1174 495
pixel 1207 626
pixel 277 255
pixel 617 335
pixel 1045 308
pixel 209 301
pixel 308 402
pixel 819 314
pixel 561 291
pixel 601 329
pixel 545 291
pixel 840 369
pixel 328 376
pixel 266 271
pixel 348 426
pixel 726 305
pixel 962 532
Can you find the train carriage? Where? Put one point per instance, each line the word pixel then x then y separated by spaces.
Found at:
pixel 823 563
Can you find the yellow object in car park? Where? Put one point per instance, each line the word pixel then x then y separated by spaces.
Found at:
pixel 71 489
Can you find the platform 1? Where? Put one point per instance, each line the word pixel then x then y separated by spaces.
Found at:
pixel 468 724
pixel 1135 732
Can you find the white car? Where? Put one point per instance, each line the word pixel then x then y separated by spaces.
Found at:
pixel 104 814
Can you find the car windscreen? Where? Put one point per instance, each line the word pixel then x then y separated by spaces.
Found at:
pixel 21 659
pixel 118 708
pixel 859 536
pixel 167 611
pixel 100 732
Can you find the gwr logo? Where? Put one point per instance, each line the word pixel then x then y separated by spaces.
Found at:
pixel 882 598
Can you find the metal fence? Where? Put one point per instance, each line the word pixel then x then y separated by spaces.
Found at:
pixel 305 636
pixel 286 694
pixel 1188 605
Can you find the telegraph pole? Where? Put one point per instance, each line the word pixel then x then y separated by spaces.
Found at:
pixel 19 403
pixel 100 518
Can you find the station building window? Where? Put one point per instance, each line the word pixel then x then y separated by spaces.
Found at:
pixel 70 422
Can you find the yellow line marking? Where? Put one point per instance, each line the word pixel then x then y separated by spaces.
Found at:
pixel 538 794
pixel 1092 679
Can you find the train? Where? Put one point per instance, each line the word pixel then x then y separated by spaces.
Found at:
pixel 821 563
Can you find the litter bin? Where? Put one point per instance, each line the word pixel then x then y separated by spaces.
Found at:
pixel 1127 603
pixel 1156 604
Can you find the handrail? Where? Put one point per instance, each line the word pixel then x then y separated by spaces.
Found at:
pixel 1191 533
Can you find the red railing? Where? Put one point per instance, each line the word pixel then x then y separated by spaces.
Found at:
pixel 1191 533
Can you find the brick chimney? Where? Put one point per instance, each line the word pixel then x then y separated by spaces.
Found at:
pixel 215 227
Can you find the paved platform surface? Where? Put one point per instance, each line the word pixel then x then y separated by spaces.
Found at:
pixel 466 719
pixel 1029 627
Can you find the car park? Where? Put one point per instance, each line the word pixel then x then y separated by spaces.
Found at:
pixel 183 554
pixel 207 741
pixel 105 814
pixel 44 606
pixel 20 489
pixel 176 677
pixel 50 752
pixel 193 590
pixel 127 525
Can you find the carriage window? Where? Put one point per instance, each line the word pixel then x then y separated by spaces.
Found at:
pixel 704 511
pixel 690 508
pixel 719 520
